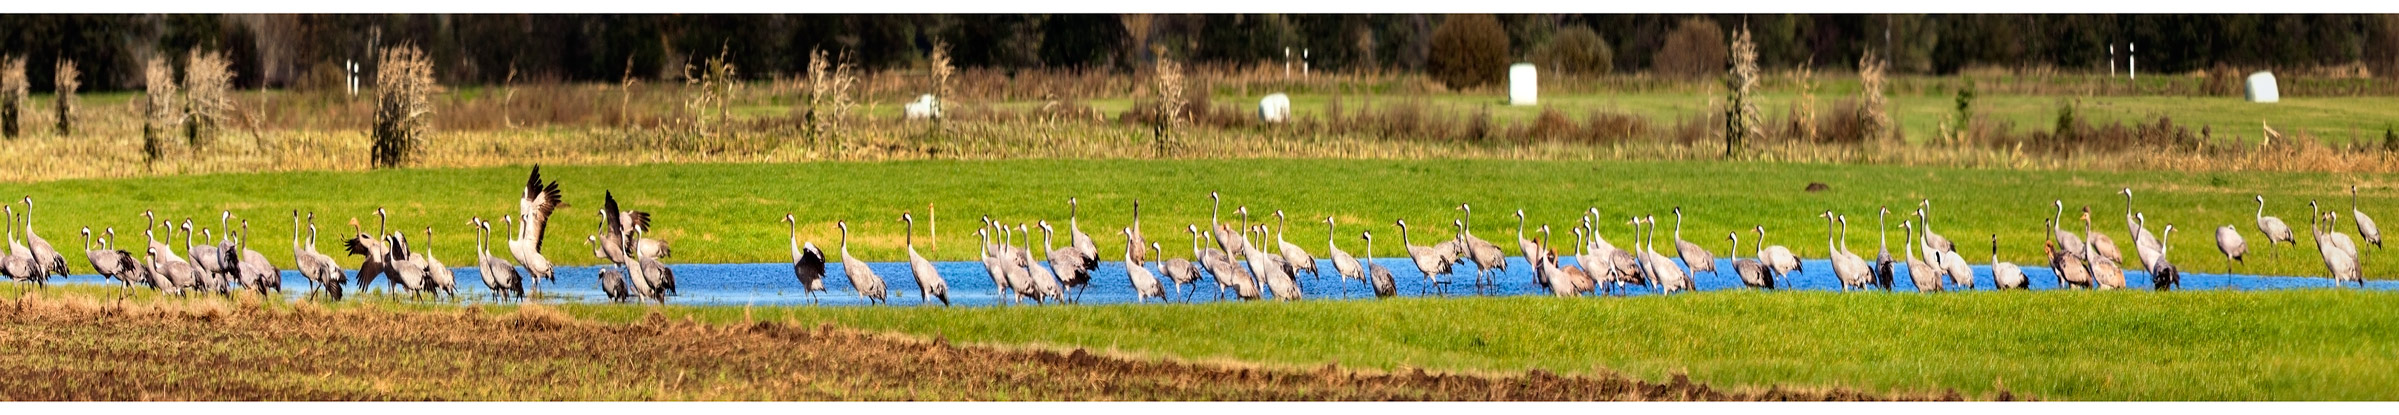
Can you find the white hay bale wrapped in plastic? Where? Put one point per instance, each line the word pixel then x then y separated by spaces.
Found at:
pixel 924 108
pixel 2261 88
pixel 1523 88
pixel 1276 107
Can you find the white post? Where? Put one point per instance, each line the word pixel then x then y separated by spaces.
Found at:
pixel 1303 62
pixel 2132 64
pixel 351 68
pixel 1286 62
pixel 2111 60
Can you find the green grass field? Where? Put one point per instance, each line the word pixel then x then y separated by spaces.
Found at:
pixel 2296 345
pixel 719 213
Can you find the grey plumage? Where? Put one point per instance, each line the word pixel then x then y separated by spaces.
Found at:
pixel 1695 256
pixel 1431 261
pixel 862 278
pixel 2005 275
pixel 499 275
pixel 929 285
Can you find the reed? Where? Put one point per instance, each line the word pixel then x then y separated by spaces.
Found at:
pixel 207 96
pixel 67 79
pixel 403 121
pixel 13 95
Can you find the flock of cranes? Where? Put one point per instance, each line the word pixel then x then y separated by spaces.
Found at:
pixel 1234 257
pixel 230 264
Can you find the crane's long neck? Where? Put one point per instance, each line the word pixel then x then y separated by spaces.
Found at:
pixel 1761 246
pixel 1370 251
pixel 1282 226
pixel 295 232
pixel 1466 225
pixel 1828 236
pixel 908 236
pixel 1403 236
pixel 1071 223
pixel 1216 216
pixel 1678 225
pixel 1911 242
pixel 1882 230
pixel 1520 226
pixel 1844 236
pixel 2162 246
pixel 2261 209
pixel 1994 251
pixel 794 231
pixel 222 224
pixel 845 241
pixel 1328 236
pixel 1736 252
pixel 2128 210
pixel 2057 218
pixel 2089 244
pixel 1926 216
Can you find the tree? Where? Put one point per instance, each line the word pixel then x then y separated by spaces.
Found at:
pixel 1694 50
pixel 1576 50
pixel 1469 51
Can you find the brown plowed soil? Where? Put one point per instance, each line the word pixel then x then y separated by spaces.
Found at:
pixel 72 349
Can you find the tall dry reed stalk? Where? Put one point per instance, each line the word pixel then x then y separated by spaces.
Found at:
pixel 711 87
pixel 1877 121
pixel 67 80
pixel 403 119
pixel 829 101
pixel 159 115
pixel 208 98
pixel 13 95
pixel 1169 88
pixel 1741 116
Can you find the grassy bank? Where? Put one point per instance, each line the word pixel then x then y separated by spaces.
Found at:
pixel 719 213
pixel 2285 345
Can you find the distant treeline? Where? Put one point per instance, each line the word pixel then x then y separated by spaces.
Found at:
pixel 308 50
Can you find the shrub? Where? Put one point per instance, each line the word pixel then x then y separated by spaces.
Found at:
pixel 1577 50
pixel 1468 51
pixel 208 95
pixel 67 81
pixel 402 113
pixel 158 82
pixel 1694 50
pixel 1962 121
pixel 13 91
pixel 1741 111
